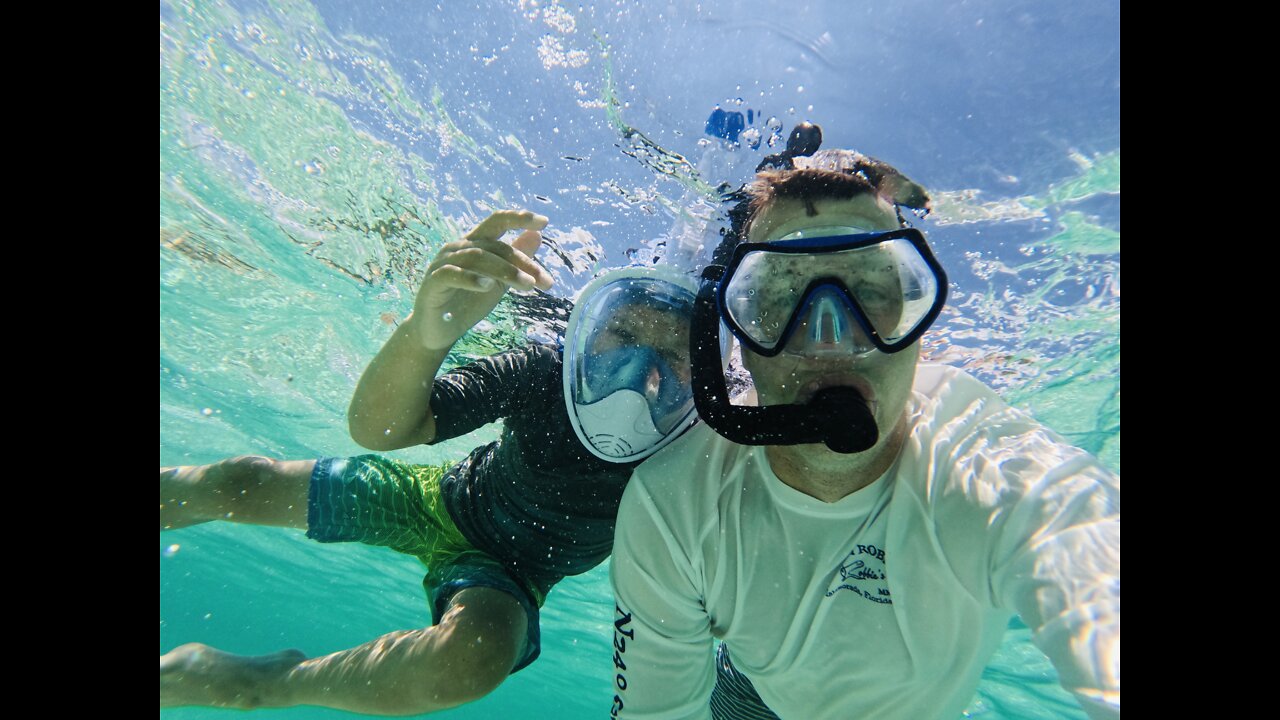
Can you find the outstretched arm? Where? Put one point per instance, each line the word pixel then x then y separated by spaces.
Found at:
pixel 1034 525
pixel 1064 581
pixel 391 407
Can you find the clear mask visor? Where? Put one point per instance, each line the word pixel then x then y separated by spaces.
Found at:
pixel 886 288
pixel 627 367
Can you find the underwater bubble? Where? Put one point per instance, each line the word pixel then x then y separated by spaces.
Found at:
pixel 171 550
pixel 447 317
pixel 207 412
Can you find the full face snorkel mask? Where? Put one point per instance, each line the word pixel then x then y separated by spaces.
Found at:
pixel 626 365
pixel 822 294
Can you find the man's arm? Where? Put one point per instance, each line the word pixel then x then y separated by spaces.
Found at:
pixel 1033 525
pixel 391 407
pixel 1063 578
pixel 662 646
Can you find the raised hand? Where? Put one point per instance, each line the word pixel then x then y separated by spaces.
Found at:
pixel 468 277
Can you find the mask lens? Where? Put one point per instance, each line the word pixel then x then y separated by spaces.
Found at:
pixel 917 290
pixel 773 292
pixel 762 294
pixel 634 338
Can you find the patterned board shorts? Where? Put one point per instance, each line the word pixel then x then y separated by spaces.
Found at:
pixel 379 501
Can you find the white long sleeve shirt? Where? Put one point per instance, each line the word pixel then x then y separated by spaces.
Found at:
pixel 887 603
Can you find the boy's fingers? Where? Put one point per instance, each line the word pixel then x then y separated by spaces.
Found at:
pixel 519 252
pixel 528 243
pixel 455 277
pixel 482 262
pixel 503 221
pixel 482 251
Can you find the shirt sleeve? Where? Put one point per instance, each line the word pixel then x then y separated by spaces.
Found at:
pixel 663 664
pixel 486 390
pixel 1039 534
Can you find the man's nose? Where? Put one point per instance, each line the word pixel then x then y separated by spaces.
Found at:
pixel 829 324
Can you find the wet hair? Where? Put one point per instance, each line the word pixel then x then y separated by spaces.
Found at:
pixel 820 175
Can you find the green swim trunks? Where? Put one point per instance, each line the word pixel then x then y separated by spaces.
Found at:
pixel 379 501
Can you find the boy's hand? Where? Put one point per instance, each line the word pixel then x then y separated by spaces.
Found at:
pixel 467 278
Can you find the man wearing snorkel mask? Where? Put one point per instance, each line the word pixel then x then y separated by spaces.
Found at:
pixel 854 528
pixel 496 531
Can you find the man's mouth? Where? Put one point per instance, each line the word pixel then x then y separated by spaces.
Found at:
pixel 813 387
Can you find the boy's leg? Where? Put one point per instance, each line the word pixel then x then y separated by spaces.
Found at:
pixel 467 655
pixel 474 647
pixel 246 489
pixel 487 623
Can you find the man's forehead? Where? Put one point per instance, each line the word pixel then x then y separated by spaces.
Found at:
pixel 788 215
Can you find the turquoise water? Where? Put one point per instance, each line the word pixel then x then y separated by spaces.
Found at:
pixel 313 157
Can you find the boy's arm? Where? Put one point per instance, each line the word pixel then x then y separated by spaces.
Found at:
pixel 391 407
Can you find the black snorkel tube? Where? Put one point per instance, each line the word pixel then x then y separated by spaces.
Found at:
pixel 838 417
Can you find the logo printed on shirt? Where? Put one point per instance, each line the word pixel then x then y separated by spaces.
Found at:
pixel 621 633
pixel 862 573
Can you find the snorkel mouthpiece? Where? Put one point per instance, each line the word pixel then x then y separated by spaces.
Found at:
pixel 850 427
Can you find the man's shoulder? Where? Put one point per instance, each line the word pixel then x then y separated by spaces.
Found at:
pixel 687 477
pixel 944 396
pixel 933 379
pixel 961 429
pixel 700 452
pixel 673 497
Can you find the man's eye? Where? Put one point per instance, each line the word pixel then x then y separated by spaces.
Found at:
pixel 873 297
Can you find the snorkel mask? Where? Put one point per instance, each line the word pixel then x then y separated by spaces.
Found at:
pixel 824 293
pixel 626 365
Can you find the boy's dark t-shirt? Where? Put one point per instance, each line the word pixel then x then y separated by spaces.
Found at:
pixel 536 499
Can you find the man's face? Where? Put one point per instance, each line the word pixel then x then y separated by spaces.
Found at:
pixel 805 367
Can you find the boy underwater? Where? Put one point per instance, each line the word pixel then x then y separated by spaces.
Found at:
pixel 496 530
